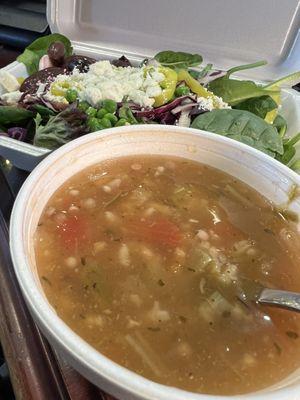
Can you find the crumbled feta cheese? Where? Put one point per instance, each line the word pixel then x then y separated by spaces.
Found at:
pixel 11 98
pixel 211 103
pixel 219 103
pixel 105 81
pixel 8 81
pixel 205 103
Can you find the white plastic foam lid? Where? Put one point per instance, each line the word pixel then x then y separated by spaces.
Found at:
pixel 224 32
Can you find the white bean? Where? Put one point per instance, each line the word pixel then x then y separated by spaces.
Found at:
pixel 110 216
pixel 50 211
pixel 74 192
pixel 60 217
pixel 89 203
pixel 135 299
pixel 156 314
pixel 132 323
pixel 124 256
pixel 179 252
pixel 71 262
pixel 99 246
pixel 73 209
pixel 95 320
pixel 106 188
pixel 150 211
pixel 115 183
pixel 184 349
pixel 203 235
pixel 136 166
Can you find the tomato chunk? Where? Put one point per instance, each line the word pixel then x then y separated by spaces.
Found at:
pixel 159 231
pixel 73 231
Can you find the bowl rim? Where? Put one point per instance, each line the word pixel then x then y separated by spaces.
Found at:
pixel 64 336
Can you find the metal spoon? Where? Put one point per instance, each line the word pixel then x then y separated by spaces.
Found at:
pixel 280 298
pixel 271 297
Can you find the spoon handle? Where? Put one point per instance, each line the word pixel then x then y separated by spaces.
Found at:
pixel 280 298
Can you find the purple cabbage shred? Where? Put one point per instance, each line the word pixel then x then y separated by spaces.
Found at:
pixel 17 133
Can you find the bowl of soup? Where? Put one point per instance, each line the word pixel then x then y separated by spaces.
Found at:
pixel 132 248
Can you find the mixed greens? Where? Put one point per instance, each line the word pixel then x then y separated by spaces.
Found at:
pixel 66 96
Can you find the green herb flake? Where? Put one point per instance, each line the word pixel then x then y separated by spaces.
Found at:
pixel 161 282
pixel 153 329
pixel 45 279
pixel 292 334
pixel 293 192
pixel 269 231
pixel 278 348
pixel 226 314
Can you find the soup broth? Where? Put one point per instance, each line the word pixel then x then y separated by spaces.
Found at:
pixel 146 259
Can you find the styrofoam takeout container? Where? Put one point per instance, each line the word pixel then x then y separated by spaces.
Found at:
pixel 226 33
pixel 253 167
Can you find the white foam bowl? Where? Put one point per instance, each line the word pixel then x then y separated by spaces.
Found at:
pixel 264 174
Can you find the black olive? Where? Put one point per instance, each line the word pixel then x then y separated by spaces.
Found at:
pixel 82 63
pixel 121 62
pixel 46 76
pixel 56 53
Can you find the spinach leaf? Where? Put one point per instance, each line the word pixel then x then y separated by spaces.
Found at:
pixel 32 54
pixel 61 128
pixel 242 126
pixel 280 124
pixel 179 59
pixel 289 149
pixel 44 111
pixel 235 91
pixel 258 105
pixel 12 115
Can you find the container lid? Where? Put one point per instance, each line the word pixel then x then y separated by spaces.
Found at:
pixel 225 32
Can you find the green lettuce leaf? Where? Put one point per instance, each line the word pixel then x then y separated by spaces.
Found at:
pixel 61 128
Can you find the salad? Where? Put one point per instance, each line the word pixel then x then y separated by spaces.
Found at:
pixel 67 95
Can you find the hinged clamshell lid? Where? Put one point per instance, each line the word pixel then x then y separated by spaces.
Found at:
pixel 225 32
